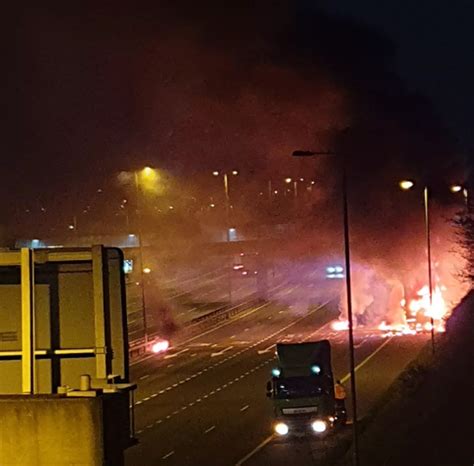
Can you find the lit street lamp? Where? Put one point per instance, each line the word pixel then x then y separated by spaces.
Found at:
pixel 144 175
pixel 300 153
pixel 406 185
pixel 227 216
pixel 227 197
pixel 457 188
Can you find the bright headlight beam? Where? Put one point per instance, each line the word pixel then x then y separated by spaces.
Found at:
pixel 319 426
pixel 281 428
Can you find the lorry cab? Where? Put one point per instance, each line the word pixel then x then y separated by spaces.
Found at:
pixel 302 389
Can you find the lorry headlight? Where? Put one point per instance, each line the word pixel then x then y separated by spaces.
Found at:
pixel 319 426
pixel 281 428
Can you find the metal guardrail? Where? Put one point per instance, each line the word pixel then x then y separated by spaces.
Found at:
pixel 143 346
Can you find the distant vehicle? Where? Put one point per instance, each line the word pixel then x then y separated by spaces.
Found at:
pixel 245 264
pixel 334 271
pixel 302 389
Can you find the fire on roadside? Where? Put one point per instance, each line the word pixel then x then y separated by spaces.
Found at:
pixel 418 314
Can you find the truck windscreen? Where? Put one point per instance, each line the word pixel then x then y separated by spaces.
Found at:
pixel 298 387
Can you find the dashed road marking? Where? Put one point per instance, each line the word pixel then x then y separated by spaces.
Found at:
pixel 247 348
pixel 210 429
pixel 169 356
pixel 220 353
pixel 255 450
pixel 244 408
pixel 171 453
pixel 143 377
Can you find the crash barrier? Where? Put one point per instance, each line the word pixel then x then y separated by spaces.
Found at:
pixel 142 346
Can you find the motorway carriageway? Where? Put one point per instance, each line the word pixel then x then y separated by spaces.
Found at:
pixel 204 401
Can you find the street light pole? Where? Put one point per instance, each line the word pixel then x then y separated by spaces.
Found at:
pixel 227 204
pixel 140 252
pixel 227 215
pixel 428 247
pixel 406 185
pixel 347 252
pixel 345 209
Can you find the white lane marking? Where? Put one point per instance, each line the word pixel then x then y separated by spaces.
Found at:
pixel 199 345
pixel 220 353
pixel 247 348
pixel 169 365
pixel 344 379
pixel 143 377
pixel 266 350
pixel 167 455
pixel 244 408
pixel 255 450
pixel 367 359
pixel 194 354
pixel 210 429
pixel 169 356
pixel 246 329
pixel 361 343
pixel 232 336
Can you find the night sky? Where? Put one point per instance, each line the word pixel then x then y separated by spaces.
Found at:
pixel 194 86
pixel 434 40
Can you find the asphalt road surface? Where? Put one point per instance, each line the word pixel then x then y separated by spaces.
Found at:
pixel 203 403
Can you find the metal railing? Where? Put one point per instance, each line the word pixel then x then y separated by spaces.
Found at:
pixel 143 345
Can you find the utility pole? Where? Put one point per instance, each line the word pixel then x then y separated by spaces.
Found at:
pixel 140 253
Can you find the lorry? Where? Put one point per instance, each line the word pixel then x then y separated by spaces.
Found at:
pixel 302 390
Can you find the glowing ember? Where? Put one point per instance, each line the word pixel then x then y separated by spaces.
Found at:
pixel 395 330
pixel 340 325
pixel 160 346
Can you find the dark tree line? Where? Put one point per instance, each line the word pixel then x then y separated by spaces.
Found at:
pixel 465 224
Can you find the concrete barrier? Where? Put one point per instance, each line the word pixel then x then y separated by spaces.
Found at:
pixel 57 430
